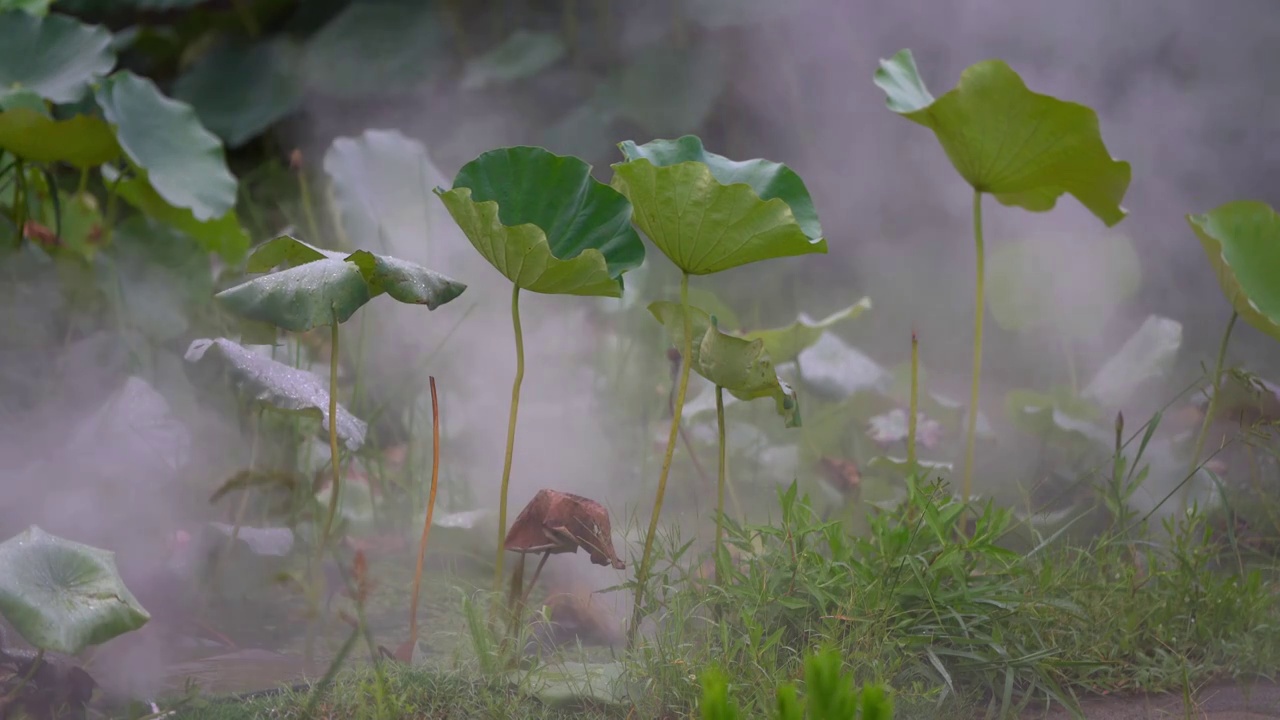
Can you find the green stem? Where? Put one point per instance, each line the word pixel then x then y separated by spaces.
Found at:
pixel 979 309
pixel 642 574
pixel 511 434
pixel 1213 399
pixel 333 432
pixel 720 481
pixel 915 402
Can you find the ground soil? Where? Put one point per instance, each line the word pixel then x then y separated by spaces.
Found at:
pixel 1258 701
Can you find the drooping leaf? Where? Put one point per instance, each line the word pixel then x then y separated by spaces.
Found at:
pixel 64 596
pixel 1069 284
pixel 521 55
pixel 785 344
pixel 376 48
pixel 222 235
pixel 184 162
pixel 53 55
pixel 1024 148
pixel 319 283
pixel 671 316
pixel 269 382
pixel 708 213
pixel 82 141
pixel 669 90
pixel 1147 355
pixel 743 367
pixel 544 222
pixel 239 91
pixel 1242 241
pixel 381 184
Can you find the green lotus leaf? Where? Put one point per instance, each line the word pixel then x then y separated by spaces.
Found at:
pixel 319 283
pixel 240 91
pixel 184 162
pixel 670 315
pixel 1024 148
pixel 64 596
pixel 82 141
pixel 17 98
pixel 743 367
pixel 222 235
pixel 1069 284
pixel 785 344
pixel 269 382
pixel 544 222
pixel 521 55
pixel 708 213
pixel 375 48
pixel 1242 241
pixel 53 55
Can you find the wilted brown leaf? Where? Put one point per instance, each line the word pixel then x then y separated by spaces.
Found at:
pixel 556 522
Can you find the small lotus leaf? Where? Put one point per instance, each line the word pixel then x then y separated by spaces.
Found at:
pixel 240 91
pixel 273 383
pixel 785 344
pixel 53 55
pixel 308 296
pixel 544 222
pixel 1025 148
pixel 521 55
pixel 62 595
pixel 743 367
pixel 1242 241
pixel 222 235
pixel 405 281
pixel 184 162
pixel 82 141
pixel 1147 355
pixel 708 213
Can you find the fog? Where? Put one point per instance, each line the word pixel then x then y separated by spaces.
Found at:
pixel 1185 91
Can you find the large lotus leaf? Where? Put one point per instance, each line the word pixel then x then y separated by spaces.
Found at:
pixel 381 181
pixel 273 383
pixel 1147 355
pixel 238 91
pixel 53 55
pixel 1242 240
pixel 374 48
pixel 1025 148
pixel 785 344
pixel 743 367
pixel 669 90
pixel 544 222
pixel 521 55
pixel 82 141
pixel 64 596
pixel 1069 284
pixel 184 162
pixel 222 235
pixel 708 213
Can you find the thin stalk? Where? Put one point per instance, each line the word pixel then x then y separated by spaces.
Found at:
pixel 915 402
pixel 333 432
pixel 1213 399
pixel 511 433
pixel 431 506
pixel 642 574
pixel 720 480
pixel 83 185
pixel 979 310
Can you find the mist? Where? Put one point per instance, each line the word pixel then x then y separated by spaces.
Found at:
pixel 1185 91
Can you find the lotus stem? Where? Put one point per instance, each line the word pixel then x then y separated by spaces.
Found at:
pixel 1213 399
pixel 642 573
pixel 914 403
pixel 720 480
pixel 333 431
pixel 431 506
pixel 511 433
pixel 979 309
